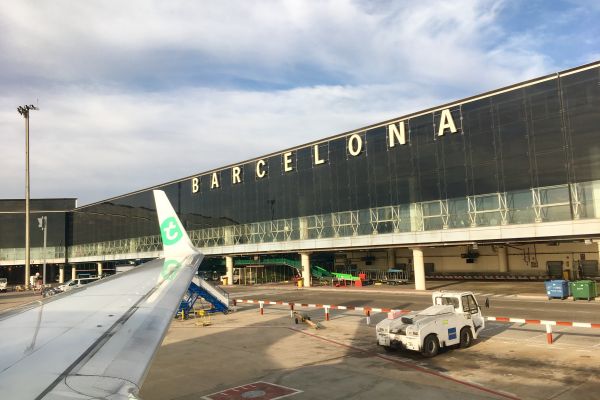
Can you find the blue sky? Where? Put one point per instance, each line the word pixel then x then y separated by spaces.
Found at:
pixel 123 85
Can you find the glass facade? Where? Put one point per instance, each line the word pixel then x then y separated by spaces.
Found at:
pixel 524 154
pixel 12 228
pixel 537 205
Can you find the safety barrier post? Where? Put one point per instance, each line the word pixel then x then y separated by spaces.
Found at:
pixel 291 310
pixel 326 313
pixel 262 309
pixel 549 333
pixel 368 314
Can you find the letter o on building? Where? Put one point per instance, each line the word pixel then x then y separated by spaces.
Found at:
pixel 355 144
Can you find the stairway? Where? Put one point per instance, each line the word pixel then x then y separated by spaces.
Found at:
pixel 217 297
pixel 316 271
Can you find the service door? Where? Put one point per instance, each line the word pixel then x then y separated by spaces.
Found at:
pixel 555 269
pixel 589 268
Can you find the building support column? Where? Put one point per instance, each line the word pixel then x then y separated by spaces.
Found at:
pixel 596 197
pixel 61 274
pixel 502 259
pixel 303 228
pixel 305 261
pixel 391 258
pixel 419 269
pixel 73 272
pixel 229 268
pixel 99 269
pixel 228 236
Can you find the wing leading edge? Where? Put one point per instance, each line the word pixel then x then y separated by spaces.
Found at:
pixel 98 342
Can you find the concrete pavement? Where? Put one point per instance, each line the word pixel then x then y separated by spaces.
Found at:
pixel 342 361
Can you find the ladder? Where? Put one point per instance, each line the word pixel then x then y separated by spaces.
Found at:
pixel 217 297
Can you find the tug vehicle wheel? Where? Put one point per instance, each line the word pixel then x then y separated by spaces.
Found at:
pixel 466 337
pixel 431 346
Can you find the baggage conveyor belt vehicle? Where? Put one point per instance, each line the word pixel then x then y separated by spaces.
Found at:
pixel 455 318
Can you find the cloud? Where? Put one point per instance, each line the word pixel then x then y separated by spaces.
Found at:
pixel 133 94
pixel 340 42
pixel 94 145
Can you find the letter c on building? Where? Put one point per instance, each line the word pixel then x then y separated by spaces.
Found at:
pixel 260 172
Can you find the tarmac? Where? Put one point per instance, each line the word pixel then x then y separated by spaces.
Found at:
pixel 9 300
pixel 247 355
pixel 227 358
pixel 507 289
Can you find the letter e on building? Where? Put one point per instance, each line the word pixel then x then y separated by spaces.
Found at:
pixel 287 162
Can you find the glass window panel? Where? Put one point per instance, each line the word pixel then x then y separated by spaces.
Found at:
pixel 554 195
pixel 520 207
pixel 459 213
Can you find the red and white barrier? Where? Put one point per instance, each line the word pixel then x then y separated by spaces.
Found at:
pixel 327 307
pixel 393 314
pixel 544 322
pixel 548 324
pixel 549 334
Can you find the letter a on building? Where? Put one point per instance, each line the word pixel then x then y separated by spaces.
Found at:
pixel 446 122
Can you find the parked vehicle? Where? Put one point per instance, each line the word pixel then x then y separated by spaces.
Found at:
pixel 50 291
pixel 455 318
pixel 123 268
pixel 75 283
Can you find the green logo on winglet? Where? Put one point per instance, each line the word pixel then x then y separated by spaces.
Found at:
pixel 169 270
pixel 170 231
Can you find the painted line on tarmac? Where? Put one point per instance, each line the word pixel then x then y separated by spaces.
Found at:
pixel 412 366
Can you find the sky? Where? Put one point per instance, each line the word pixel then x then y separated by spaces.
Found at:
pixel 136 93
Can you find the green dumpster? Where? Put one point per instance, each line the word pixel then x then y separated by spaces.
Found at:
pixel 585 289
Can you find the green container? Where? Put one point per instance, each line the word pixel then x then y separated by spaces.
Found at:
pixel 584 290
pixel 346 277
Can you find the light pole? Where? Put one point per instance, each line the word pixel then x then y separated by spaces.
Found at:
pixel 43 224
pixel 24 111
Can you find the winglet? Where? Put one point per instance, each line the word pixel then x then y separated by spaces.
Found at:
pixel 176 242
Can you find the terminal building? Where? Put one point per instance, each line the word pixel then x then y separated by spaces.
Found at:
pixel 502 184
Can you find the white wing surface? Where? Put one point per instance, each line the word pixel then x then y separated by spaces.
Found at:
pixel 97 342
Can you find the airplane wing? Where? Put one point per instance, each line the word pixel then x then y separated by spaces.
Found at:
pixel 97 342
